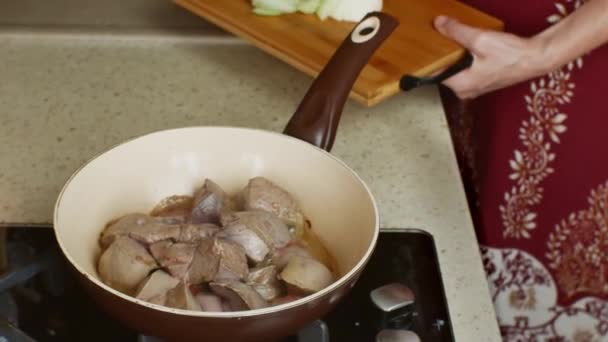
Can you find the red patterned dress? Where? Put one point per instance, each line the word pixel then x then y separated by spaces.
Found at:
pixel 535 167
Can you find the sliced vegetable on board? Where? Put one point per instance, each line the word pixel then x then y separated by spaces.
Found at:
pixel 343 10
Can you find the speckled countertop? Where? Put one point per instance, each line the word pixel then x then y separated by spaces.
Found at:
pixel 68 94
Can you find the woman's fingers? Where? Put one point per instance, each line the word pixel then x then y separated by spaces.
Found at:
pixel 501 59
pixel 463 34
pixel 461 85
pixel 468 37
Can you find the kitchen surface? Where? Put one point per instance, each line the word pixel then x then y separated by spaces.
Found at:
pixel 79 77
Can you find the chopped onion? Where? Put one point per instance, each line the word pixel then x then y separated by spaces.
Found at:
pixel 275 6
pixel 266 11
pixel 354 10
pixel 344 10
pixel 309 6
pixel 327 8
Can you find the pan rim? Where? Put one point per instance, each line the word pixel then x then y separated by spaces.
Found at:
pixel 346 278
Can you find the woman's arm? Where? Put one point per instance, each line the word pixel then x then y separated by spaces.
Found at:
pixel 503 59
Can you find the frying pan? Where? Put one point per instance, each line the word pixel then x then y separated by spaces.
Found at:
pixel 137 174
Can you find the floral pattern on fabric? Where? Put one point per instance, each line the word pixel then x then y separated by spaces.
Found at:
pixel 578 248
pixel 532 163
pixel 525 297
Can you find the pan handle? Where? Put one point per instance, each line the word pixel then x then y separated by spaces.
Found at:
pixel 409 82
pixel 317 117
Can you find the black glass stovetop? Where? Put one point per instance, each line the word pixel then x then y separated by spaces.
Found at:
pixel 404 257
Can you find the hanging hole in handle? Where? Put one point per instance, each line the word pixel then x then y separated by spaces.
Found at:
pixel 366 30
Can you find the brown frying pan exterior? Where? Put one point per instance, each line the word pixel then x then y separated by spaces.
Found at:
pixel 183 328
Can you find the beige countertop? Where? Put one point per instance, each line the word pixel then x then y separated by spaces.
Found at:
pixel 66 96
pixel 112 15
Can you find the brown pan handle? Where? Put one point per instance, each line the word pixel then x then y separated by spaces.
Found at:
pixel 317 117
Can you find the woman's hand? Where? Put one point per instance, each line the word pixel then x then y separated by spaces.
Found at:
pixel 500 59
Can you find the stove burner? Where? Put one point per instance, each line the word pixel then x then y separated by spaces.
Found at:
pixel 397 336
pixel 315 332
pixel 398 298
pixel 392 297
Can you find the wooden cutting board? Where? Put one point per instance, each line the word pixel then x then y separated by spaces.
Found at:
pixel 307 43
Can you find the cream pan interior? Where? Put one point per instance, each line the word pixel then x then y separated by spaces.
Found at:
pixel 136 175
